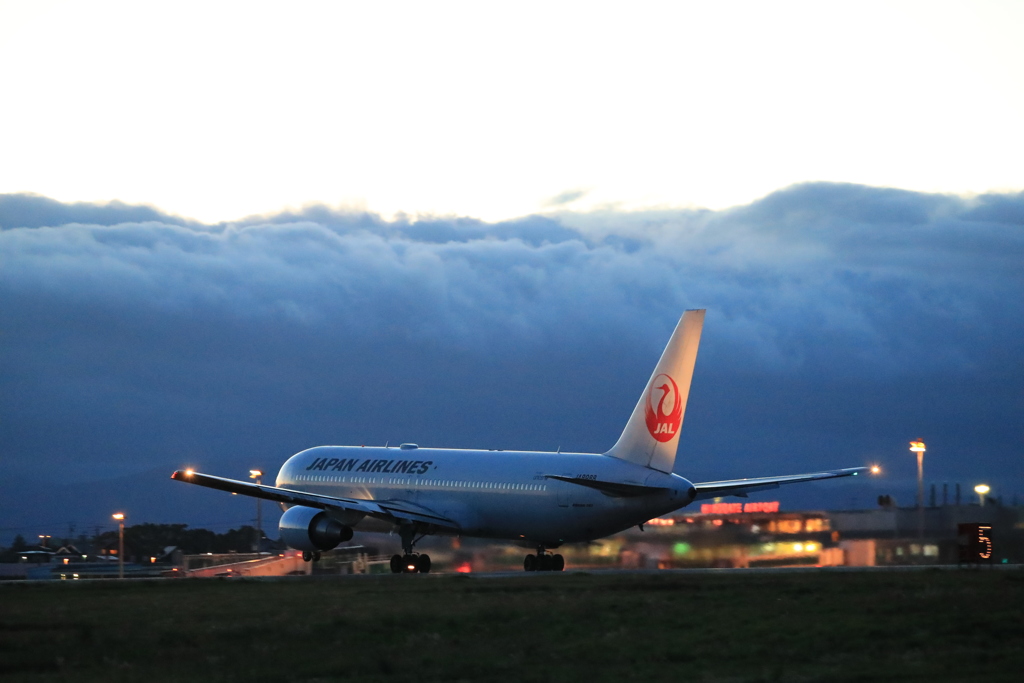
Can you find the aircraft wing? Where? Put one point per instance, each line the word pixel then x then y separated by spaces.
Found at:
pixel 394 511
pixel 741 487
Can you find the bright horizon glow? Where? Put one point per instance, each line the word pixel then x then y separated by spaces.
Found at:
pixel 218 111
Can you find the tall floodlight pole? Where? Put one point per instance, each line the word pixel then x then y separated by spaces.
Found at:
pixel 119 516
pixel 257 474
pixel 981 490
pixel 918 447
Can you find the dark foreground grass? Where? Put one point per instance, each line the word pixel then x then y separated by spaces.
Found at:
pixel 827 626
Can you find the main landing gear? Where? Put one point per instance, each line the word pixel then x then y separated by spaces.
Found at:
pixel 308 556
pixel 543 562
pixel 410 562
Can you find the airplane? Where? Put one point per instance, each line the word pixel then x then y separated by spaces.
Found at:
pixel 539 500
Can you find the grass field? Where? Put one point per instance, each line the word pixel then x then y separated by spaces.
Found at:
pixel 735 626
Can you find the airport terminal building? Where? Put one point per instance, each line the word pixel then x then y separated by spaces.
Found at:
pixel 725 534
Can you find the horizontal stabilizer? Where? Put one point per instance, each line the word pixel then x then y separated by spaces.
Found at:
pixel 611 488
pixel 741 487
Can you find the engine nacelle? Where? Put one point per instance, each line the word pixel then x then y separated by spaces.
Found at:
pixel 310 529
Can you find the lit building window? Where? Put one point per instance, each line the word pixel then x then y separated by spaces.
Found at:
pixel 816 524
pixel 789 526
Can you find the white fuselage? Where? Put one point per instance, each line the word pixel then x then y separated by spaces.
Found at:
pixel 491 494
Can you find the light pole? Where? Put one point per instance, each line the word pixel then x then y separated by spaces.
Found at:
pixel 257 474
pixel 918 447
pixel 119 516
pixel 981 490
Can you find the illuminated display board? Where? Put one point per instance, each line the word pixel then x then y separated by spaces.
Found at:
pixel 734 508
pixel 975 542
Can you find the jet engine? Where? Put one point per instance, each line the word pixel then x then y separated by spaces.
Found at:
pixel 310 529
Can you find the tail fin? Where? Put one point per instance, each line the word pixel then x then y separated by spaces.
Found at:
pixel 652 434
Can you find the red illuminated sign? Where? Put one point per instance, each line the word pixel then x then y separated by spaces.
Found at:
pixel 735 508
pixel 768 506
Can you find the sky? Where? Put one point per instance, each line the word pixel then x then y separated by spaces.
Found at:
pixel 222 110
pixel 229 232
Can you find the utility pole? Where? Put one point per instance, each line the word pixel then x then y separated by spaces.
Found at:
pixel 257 475
pixel 119 516
pixel 918 448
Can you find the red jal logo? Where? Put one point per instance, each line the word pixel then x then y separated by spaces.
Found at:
pixel 662 423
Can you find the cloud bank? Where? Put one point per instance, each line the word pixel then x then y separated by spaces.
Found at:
pixel 842 322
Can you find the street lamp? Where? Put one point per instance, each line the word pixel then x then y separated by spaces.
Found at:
pixel 981 490
pixel 119 516
pixel 257 474
pixel 918 447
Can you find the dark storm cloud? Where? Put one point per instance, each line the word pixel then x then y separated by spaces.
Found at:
pixel 842 322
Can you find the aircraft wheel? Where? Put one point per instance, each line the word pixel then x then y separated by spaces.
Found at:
pixel 530 563
pixel 557 563
pixel 397 566
pixel 423 564
pixel 316 555
pixel 306 556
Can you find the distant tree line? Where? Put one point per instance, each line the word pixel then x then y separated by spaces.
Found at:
pixel 146 540
pixel 151 539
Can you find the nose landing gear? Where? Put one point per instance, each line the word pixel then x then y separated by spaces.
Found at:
pixel 543 562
